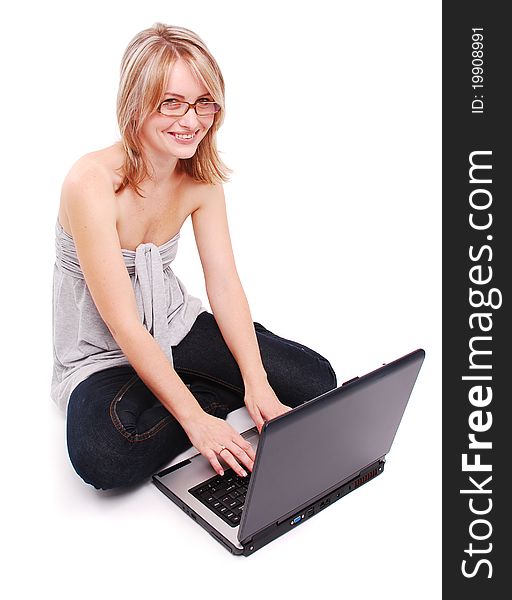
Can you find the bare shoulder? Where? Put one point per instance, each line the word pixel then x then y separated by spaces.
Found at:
pixel 97 164
pixel 90 179
pixel 204 194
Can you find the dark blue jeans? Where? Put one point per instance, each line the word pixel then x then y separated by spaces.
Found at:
pixel 119 434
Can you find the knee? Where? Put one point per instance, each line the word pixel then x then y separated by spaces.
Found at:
pixel 329 377
pixel 318 376
pixel 324 378
pixel 302 380
pixel 96 457
pixel 94 464
pixel 85 468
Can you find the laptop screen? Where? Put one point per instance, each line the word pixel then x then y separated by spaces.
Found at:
pixel 325 441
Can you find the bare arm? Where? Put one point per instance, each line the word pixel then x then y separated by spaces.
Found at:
pixel 225 293
pixel 229 304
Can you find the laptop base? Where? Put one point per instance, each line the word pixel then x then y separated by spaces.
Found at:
pixel 281 527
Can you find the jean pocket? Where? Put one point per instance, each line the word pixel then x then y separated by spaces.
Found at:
pixel 136 412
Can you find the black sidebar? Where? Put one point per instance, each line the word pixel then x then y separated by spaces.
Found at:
pixel 477 251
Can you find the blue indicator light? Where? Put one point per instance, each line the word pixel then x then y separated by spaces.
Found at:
pixel 297 519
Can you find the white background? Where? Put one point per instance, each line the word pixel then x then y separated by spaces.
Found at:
pixel 333 130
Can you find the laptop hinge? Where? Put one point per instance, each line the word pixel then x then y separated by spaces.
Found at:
pixel 173 468
pixel 350 380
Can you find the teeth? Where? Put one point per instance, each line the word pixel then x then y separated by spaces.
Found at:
pixel 183 136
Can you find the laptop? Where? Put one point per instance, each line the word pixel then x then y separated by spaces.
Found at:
pixel 306 459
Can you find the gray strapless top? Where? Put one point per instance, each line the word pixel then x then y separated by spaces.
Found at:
pixel 82 343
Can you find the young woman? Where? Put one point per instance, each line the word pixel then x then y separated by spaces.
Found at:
pixel 143 369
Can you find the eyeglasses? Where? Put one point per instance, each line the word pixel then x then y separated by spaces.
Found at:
pixel 175 108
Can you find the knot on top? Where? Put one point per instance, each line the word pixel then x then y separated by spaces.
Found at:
pixel 150 294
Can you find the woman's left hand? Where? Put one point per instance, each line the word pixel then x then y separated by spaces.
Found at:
pixel 263 404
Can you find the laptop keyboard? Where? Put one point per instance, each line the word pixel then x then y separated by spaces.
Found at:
pixel 224 495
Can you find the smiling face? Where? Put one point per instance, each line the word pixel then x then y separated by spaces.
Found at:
pixel 170 138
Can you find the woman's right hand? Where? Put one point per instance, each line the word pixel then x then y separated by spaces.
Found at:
pixel 214 438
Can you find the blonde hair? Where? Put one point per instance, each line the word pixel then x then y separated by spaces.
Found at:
pixel 144 70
